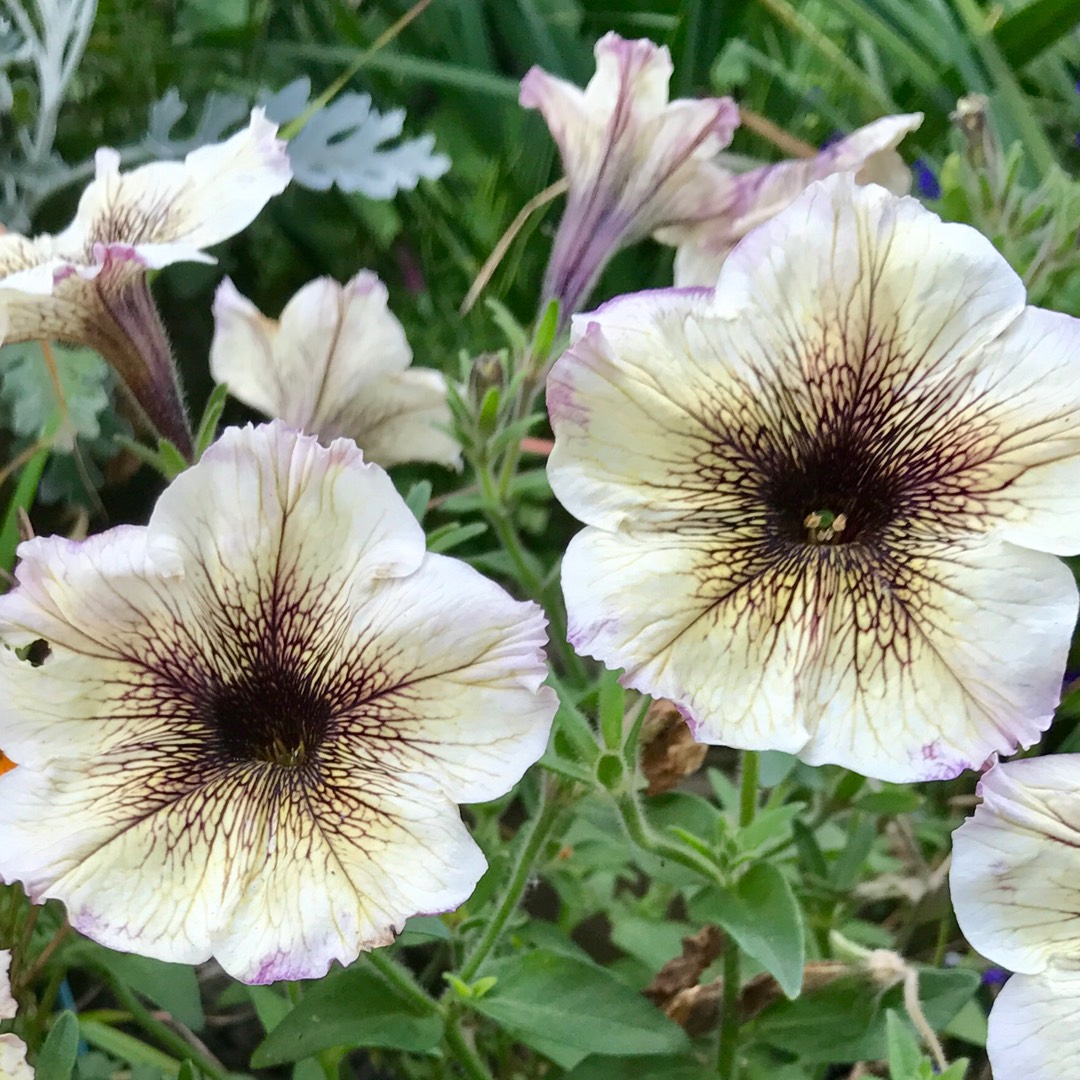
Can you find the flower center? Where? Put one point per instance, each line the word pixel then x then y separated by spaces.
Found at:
pixel 836 494
pixel 269 714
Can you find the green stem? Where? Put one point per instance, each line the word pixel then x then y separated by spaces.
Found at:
pixel 165 1036
pixel 502 525
pixel 642 834
pixel 748 788
pixel 727 1067
pixel 467 1057
pixel 528 849
pixel 573 722
pixel 401 979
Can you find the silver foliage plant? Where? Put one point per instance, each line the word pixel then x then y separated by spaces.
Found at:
pixel 349 142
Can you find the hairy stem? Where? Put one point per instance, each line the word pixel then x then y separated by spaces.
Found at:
pixel 529 848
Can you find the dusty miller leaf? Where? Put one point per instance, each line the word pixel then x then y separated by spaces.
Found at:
pixel 344 144
pixel 27 389
pixel 220 113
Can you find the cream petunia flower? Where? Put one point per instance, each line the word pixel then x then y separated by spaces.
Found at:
pixel 88 283
pixel 634 161
pixel 257 713
pixel 1015 882
pixel 13 1065
pixel 336 363
pixel 755 196
pixel 820 497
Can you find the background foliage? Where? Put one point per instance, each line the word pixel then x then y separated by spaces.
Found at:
pixel 827 866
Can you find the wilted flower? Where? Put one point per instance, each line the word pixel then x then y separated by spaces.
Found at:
pixel 337 363
pixel 803 490
pixel 257 713
pixel 13 1064
pixel 634 161
pixel 755 196
pixel 88 283
pixel 1015 883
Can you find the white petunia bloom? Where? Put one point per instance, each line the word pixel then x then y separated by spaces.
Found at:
pixel 1015 883
pixel 755 196
pixel 256 715
pixel 13 1065
pixel 820 498
pixel 634 161
pixel 336 363
pixel 88 283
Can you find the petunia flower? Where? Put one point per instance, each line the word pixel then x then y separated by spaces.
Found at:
pixel 634 161
pixel 820 498
pixel 1015 884
pixel 336 363
pixel 257 713
pixel 88 284
pixel 755 196
pixel 13 1065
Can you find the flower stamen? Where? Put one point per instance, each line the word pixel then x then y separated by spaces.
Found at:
pixel 824 527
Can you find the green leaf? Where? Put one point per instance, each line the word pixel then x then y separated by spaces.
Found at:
pixel 549 997
pixel 845 1020
pixel 902 1047
pixel 417 499
pixel 421 929
pixel 862 832
pixel 657 1068
pixel 208 425
pixel 22 499
pixel 448 537
pixel 126 1047
pixel 763 916
pixel 57 1057
pixel 1026 32
pixel 770 826
pixel 893 800
pixel 173 987
pixel 354 1007
pixel 612 709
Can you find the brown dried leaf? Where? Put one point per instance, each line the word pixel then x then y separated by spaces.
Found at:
pixel 762 990
pixel 668 750
pixel 697 1008
pixel 698 952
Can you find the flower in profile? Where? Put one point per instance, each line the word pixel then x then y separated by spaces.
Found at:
pixel 1015 883
pixel 634 161
pixel 805 487
pixel 336 363
pixel 257 713
pixel 88 284
pixel 13 1065
pixel 755 196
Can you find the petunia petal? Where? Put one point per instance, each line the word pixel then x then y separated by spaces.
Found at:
pixel 418 711
pixel 242 353
pixel 755 196
pixel 8 1005
pixel 404 417
pixel 276 876
pixel 243 727
pixel 13 1063
pixel 337 364
pixel 634 162
pixel 1032 1030
pixel 1014 876
pixel 880 379
pixel 172 210
pixel 690 632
